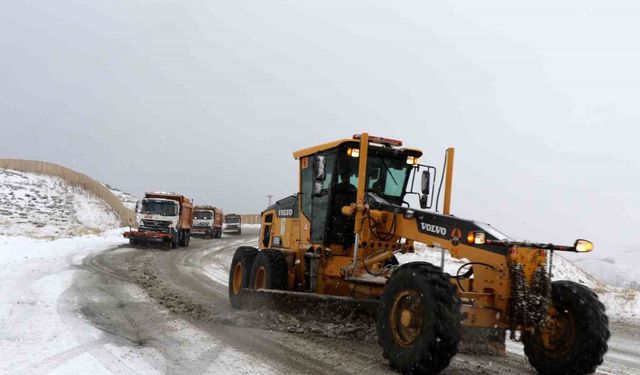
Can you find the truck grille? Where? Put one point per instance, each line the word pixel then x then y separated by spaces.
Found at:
pixel 156 224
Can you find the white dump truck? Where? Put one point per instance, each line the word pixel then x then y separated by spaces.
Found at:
pixel 163 217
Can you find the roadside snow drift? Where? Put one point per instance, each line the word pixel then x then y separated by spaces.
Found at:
pixel 41 206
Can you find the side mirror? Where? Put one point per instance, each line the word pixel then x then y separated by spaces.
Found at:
pixel 320 171
pixel 425 185
pixel 138 207
pixel 424 201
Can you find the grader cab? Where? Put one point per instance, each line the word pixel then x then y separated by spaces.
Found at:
pixel 338 238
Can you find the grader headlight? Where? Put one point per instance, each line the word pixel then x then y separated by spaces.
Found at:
pixel 353 152
pixel 412 160
pixel 583 246
pixel 476 238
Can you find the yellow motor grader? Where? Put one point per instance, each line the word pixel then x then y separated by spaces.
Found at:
pixel 338 238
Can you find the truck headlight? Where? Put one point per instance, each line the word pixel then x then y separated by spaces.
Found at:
pixel 583 246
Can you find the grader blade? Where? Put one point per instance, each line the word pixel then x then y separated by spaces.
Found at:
pixel 312 306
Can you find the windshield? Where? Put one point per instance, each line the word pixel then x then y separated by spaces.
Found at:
pixel 203 215
pixel 156 207
pixel 387 173
pixel 232 219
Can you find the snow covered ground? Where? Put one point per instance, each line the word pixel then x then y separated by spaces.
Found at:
pixel 41 206
pixel 43 327
pixel 34 335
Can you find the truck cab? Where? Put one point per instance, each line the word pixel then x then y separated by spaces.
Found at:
pixel 207 222
pixel 233 224
pixel 158 215
pixel 162 217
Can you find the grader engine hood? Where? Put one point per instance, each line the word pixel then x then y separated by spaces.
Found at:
pixel 448 228
pixel 468 232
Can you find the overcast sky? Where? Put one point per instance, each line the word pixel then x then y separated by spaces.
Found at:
pixel 540 99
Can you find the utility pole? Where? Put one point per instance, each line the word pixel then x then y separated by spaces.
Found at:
pixel 269 196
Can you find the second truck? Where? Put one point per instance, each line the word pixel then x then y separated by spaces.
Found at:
pixel 164 218
pixel 207 222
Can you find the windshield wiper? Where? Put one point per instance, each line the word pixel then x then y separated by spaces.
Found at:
pixel 390 174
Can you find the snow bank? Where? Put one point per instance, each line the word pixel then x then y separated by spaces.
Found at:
pixel 621 304
pixel 250 226
pixel 46 207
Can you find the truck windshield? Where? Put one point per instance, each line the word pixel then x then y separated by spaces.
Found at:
pixel 156 207
pixel 203 215
pixel 232 219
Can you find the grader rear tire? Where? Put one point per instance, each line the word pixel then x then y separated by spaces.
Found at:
pixel 419 320
pixel 575 336
pixel 269 271
pixel 240 274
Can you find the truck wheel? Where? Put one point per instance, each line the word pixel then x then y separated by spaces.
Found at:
pixel 182 238
pixel 175 240
pixel 419 321
pixel 269 271
pixel 240 274
pixel 187 237
pixel 574 338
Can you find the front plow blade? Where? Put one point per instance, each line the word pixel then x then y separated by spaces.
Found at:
pixel 316 306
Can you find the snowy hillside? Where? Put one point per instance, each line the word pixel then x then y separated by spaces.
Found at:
pixel 614 272
pixel 41 206
pixel 621 304
pixel 127 199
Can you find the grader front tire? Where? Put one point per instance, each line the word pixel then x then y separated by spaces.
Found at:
pixel 419 320
pixel 575 336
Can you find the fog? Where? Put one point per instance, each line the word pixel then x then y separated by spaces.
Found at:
pixel 210 99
